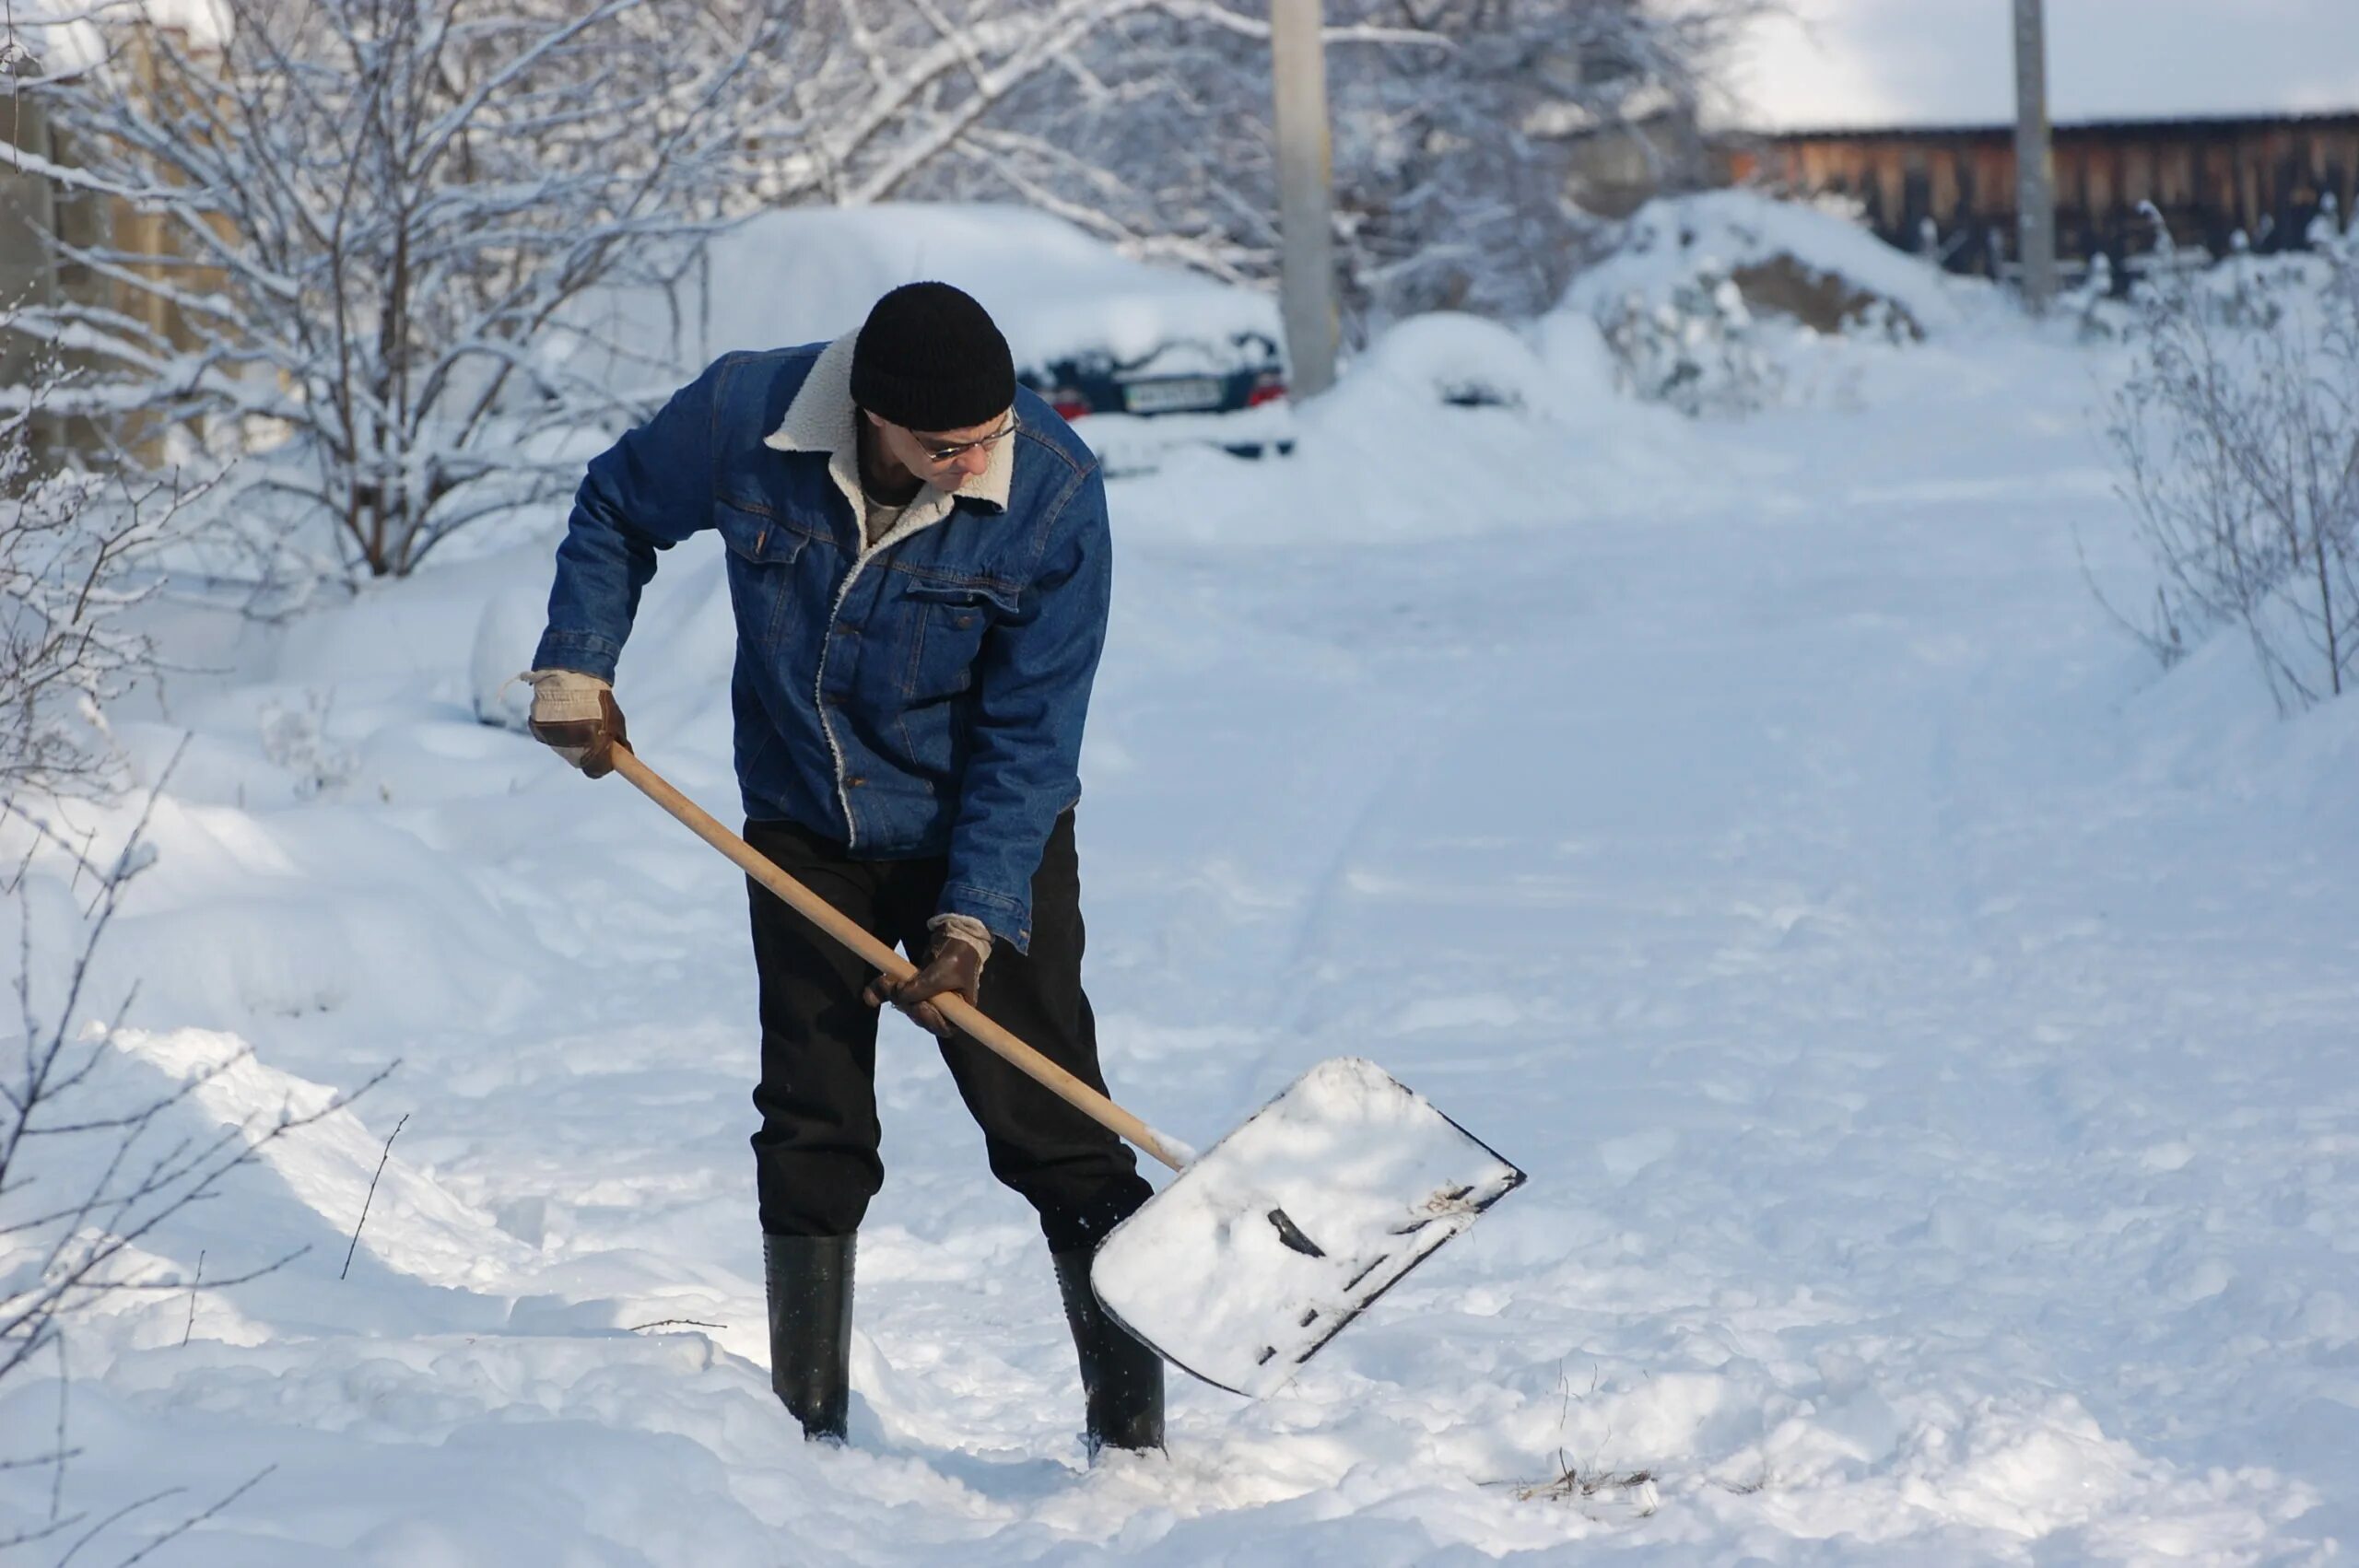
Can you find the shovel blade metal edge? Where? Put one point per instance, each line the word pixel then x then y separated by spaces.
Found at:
pixel 1283 1232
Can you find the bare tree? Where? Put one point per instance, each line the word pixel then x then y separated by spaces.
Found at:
pixel 2237 440
pixel 358 225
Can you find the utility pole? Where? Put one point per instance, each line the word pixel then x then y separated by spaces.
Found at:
pixel 1306 174
pixel 2035 160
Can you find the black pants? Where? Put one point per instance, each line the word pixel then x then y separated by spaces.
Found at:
pixel 814 1158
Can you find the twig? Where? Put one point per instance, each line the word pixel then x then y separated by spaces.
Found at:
pixel 195 1519
pixel 193 1287
pixel 1570 1483
pixel 675 1323
pixel 32 1461
pixel 57 1479
pixel 372 1195
pixel 32 1533
pixel 93 1533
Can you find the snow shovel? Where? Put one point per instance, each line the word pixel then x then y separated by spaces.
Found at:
pixel 1267 1244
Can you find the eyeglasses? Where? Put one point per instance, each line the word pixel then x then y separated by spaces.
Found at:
pixel 944 454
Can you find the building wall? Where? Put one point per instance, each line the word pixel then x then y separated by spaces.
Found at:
pixel 2209 177
pixel 33 208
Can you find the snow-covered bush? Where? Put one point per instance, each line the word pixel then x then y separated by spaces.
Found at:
pixel 2092 305
pixel 2236 437
pixel 2242 291
pixel 296 738
pixel 1697 350
pixel 354 216
pixel 2325 232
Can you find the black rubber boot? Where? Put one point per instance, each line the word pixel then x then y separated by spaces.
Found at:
pixel 808 1279
pixel 1122 1379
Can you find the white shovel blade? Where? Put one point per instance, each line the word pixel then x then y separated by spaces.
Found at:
pixel 1259 1252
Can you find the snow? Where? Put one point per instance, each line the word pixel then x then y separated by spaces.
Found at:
pixel 1926 1027
pixel 1264 1248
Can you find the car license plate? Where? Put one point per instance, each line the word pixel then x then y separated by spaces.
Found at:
pixel 1172 395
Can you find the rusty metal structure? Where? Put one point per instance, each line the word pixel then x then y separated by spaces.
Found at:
pixel 1951 190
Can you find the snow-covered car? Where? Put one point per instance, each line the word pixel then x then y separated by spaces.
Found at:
pixel 1142 359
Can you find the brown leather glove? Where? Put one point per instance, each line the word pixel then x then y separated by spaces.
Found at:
pixel 575 716
pixel 954 963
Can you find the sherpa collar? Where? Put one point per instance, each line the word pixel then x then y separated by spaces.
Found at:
pixel 823 418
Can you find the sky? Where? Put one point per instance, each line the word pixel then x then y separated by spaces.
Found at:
pixel 1936 62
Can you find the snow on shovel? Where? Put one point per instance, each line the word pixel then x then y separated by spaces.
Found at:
pixel 1267 1244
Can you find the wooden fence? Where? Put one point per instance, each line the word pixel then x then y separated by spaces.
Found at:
pixel 1952 189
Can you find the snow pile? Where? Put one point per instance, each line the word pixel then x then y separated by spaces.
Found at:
pixel 1718 303
pixel 1460 360
pixel 1784 257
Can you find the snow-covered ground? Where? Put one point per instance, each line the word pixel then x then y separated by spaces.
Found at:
pixel 1928 1030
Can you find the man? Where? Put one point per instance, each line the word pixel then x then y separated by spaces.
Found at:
pixel 919 563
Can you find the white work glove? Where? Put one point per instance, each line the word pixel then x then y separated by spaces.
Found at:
pixel 574 715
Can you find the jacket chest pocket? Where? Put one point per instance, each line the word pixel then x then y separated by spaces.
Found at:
pixel 945 625
pixel 762 552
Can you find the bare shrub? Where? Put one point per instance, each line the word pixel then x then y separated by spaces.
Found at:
pixel 2237 440
pixel 76 547
pixel 90 1166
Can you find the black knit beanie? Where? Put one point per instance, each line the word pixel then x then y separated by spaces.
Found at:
pixel 929 358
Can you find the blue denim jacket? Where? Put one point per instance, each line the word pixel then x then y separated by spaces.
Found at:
pixel 920 696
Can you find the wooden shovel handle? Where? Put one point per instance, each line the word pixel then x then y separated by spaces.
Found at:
pixel 836 923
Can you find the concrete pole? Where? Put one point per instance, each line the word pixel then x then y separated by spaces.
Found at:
pixel 1306 175
pixel 2035 160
